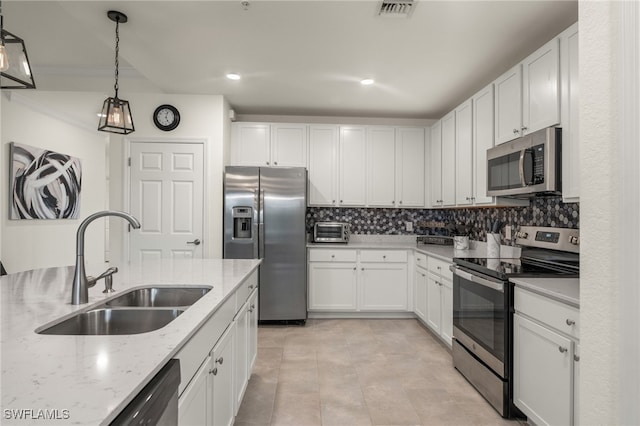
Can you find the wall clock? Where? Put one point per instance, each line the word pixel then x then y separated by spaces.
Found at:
pixel 166 117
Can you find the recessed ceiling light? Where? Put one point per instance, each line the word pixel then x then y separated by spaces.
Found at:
pixel 367 82
pixel 233 76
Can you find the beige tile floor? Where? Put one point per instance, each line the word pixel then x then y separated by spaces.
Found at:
pixel 359 372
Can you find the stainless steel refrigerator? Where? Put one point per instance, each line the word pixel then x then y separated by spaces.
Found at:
pixel 264 217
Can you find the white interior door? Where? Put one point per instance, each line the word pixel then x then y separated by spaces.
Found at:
pixel 167 197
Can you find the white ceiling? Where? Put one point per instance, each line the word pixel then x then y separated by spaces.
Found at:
pixel 295 57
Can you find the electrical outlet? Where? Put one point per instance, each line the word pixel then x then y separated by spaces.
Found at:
pixel 507 232
pixel 408 226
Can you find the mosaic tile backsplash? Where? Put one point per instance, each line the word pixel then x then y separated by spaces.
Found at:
pixel 541 212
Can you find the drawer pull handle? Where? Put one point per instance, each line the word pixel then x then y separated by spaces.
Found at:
pixel 576 358
pixel 570 322
pixel 562 349
pixel 384 256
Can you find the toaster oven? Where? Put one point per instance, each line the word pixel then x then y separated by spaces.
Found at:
pixel 331 232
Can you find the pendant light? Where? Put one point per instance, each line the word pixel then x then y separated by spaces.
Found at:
pixel 116 114
pixel 14 62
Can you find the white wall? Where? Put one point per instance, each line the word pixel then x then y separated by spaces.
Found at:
pixel 201 118
pixel 46 120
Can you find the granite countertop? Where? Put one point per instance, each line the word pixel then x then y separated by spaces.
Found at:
pixel 565 290
pixel 95 377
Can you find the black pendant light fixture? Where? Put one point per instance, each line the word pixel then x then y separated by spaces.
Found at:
pixel 116 114
pixel 14 62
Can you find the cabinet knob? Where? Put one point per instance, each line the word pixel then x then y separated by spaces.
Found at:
pixel 253 306
pixel 333 201
pixel 384 256
pixel 362 269
pixel 400 202
pixel 576 358
pixel 275 163
pixel 570 322
pixel 354 268
pixel 562 349
pixel 523 129
pixel 251 310
pixel 214 371
pixel 423 275
pixel 393 201
pixel 466 198
pixel 341 201
pixel 515 131
pixel 333 255
pixel 220 360
pixel 267 163
pixel 250 285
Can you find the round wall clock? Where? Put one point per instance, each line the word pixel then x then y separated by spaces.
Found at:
pixel 166 117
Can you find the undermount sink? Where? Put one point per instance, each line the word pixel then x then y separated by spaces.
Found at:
pixel 136 311
pixel 114 321
pixel 159 297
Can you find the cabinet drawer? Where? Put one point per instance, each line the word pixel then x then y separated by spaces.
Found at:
pixel 324 255
pixel 245 289
pixel 398 256
pixel 440 267
pixel 555 314
pixel 421 260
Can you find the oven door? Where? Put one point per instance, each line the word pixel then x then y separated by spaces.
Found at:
pixel 480 317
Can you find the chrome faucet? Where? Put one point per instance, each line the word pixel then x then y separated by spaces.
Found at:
pixel 81 283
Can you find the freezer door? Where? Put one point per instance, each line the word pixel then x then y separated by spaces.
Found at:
pixel 241 209
pixel 283 273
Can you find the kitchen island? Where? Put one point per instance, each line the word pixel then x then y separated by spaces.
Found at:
pixel 74 379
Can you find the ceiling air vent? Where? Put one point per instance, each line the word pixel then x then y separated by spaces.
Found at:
pixel 396 8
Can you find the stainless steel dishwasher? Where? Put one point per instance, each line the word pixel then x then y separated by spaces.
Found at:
pixel 157 403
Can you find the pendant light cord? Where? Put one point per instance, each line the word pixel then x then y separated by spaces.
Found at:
pixel 115 86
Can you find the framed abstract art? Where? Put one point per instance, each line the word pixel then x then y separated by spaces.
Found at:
pixel 44 184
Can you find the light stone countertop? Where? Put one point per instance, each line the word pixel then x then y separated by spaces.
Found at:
pixel 565 290
pixel 95 377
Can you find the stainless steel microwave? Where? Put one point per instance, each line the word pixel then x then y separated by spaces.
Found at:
pixel 526 167
pixel 331 232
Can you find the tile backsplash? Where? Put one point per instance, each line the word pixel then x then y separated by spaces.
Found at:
pixel 541 212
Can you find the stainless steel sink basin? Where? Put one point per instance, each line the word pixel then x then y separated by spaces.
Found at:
pixel 114 321
pixel 160 297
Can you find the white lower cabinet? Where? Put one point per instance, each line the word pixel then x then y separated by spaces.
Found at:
pixel 545 354
pixel 217 361
pixel 421 283
pixel 439 298
pixel 344 280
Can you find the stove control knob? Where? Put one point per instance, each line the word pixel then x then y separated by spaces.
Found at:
pixel 574 240
pixel 521 234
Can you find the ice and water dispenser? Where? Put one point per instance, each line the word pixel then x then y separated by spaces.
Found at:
pixel 242 217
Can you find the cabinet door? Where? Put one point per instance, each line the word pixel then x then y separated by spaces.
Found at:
pixel 253 330
pixel 420 301
pixel 541 88
pixel 435 163
pixel 332 286
pixel 434 305
pixel 241 355
pixel 410 167
pixel 289 145
pixel 381 167
pixel 352 166
pixel 570 115
pixel 251 144
pixel 193 405
pixel 464 154
pixel 446 331
pixel 576 385
pixel 323 161
pixel 482 141
pixel 542 382
pixel 222 396
pixel 383 287
pixel 449 159
pixel 508 115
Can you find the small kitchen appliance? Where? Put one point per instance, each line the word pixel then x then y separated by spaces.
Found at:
pixel 483 307
pixel 331 232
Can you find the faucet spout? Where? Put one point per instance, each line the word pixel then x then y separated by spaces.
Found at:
pixel 80 290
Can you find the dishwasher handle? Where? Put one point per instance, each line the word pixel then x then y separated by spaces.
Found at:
pixel 495 285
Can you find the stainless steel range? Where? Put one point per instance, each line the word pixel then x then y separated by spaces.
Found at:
pixel 483 307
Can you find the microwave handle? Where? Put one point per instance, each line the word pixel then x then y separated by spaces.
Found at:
pixel 521 167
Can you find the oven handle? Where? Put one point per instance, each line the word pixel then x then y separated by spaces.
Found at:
pixel 499 286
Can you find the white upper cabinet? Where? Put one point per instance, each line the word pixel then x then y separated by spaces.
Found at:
pixel 264 144
pixel 435 164
pixel 464 154
pixel 482 141
pixel 449 159
pixel 352 166
pixel 541 88
pixel 251 144
pixel 381 169
pixel 508 108
pixel 410 167
pixel 289 145
pixel 570 115
pixel 323 162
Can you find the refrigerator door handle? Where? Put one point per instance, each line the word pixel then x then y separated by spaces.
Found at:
pixel 261 227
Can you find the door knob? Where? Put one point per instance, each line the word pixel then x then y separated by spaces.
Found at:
pixel 195 242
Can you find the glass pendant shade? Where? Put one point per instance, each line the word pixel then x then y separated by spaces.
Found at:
pixel 116 117
pixel 14 64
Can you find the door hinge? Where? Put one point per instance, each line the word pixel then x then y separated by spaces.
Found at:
pixel 129 161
